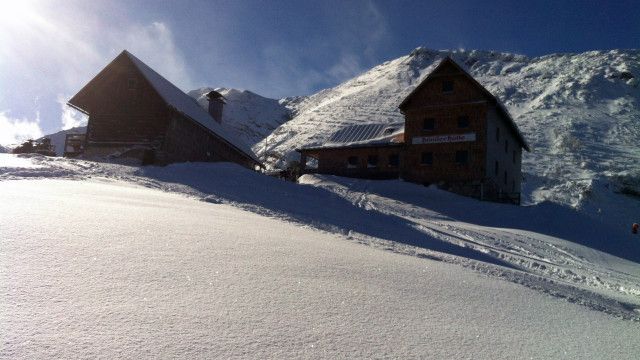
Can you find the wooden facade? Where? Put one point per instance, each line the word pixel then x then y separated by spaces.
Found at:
pixel 372 162
pixel 456 135
pixel 129 116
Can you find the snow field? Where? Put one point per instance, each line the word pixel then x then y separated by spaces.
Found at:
pixel 111 269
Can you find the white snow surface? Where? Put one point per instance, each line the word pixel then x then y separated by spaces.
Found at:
pixel 138 272
pixel 126 262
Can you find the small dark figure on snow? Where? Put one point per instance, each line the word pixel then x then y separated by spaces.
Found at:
pixel 634 228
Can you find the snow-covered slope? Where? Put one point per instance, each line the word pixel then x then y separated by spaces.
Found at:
pixel 247 115
pixel 57 139
pixel 548 247
pixel 580 113
pixel 327 268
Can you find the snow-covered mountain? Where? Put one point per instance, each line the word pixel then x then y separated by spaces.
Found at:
pixel 248 116
pixel 580 113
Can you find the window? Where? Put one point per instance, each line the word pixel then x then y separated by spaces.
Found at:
pixel 514 156
pixel 352 162
pixel 447 86
pixel 506 146
pixel 463 122
pixel 505 178
pixel 132 83
pixel 498 134
pixel 428 124
pixel 372 161
pixel 497 168
pixel 462 157
pixel 427 158
pixel 394 160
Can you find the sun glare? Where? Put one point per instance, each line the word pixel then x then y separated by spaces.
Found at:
pixel 13 12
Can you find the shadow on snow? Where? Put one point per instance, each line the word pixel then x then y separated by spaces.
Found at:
pixel 310 205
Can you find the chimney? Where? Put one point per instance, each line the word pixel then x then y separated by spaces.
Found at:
pixel 216 102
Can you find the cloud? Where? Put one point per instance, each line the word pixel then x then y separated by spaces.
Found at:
pixel 15 131
pixel 70 117
pixel 154 44
pixel 78 40
pixel 347 67
pixel 355 35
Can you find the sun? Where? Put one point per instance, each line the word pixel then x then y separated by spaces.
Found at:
pixel 16 12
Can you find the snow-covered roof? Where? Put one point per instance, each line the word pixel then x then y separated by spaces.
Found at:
pixel 365 135
pixel 187 106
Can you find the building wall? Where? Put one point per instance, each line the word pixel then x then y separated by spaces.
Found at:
pixel 124 108
pixel 444 167
pixel 335 162
pixel 507 161
pixel 128 117
pixel 188 141
pixel 430 93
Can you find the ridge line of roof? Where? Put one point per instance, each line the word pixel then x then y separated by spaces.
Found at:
pixel 194 108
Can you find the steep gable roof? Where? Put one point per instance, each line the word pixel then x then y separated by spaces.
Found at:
pixel 187 106
pixel 180 102
pixel 501 108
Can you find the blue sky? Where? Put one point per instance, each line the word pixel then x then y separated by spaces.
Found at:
pixel 50 49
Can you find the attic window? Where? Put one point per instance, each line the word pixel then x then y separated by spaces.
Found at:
pixel 428 124
pixel 132 83
pixel 447 86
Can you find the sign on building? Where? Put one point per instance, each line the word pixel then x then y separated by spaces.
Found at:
pixel 438 139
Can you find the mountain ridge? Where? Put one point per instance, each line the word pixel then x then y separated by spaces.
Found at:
pixel 579 112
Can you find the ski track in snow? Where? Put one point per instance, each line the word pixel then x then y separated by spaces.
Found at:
pixel 579 266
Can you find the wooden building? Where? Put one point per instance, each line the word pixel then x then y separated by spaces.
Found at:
pixel 137 114
pixel 456 134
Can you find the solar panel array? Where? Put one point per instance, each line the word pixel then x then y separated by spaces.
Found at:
pixel 359 133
